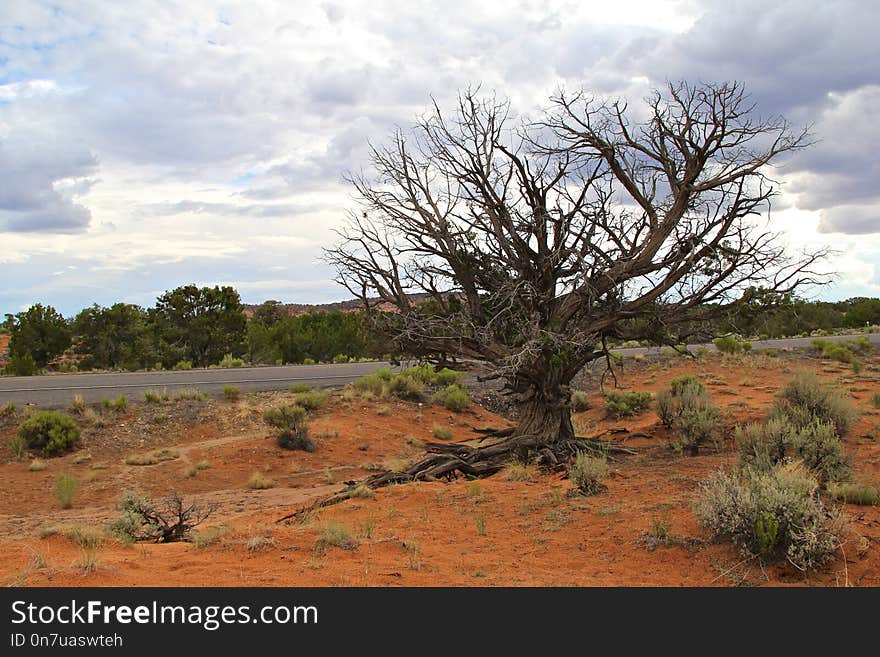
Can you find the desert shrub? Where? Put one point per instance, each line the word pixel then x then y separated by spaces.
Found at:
pixel 406 387
pixel 7 410
pixel 453 397
pixel 295 440
pixel 165 521
pixel 337 535
pixel 816 445
pixel 517 472
pixel 299 387
pixel 259 481
pixel 195 469
pixel 287 418
pixel 626 404
pixel 65 489
pixel 119 405
pixel 340 358
pixel 189 394
pixel 310 400
pixel 78 405
pixel 731 344
pixel 17 446
pixel 685 382
pixel 804 401
pixel 856 493
pixel 441 433
pixel 688 410
pixel 229 361
pixel 588 473
pixel 183 365
pixel 771 515
pixel 580 401
pixel 156 396
pixel 51 432
pixel 231 393
pixel 37 465
pixel 446 377
pixel 875 399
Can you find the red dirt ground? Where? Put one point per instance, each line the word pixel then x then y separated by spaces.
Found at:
pixel 490 532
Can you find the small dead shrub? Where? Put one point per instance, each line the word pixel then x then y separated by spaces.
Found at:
pixel 588 473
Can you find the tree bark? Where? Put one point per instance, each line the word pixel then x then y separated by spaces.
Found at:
pixel 548 420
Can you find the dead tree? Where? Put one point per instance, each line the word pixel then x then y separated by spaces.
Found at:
pixel 537 242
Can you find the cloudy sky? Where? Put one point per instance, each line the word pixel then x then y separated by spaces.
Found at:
pixel 146 145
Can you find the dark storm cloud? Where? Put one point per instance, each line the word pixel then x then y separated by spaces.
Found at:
pixel 39 183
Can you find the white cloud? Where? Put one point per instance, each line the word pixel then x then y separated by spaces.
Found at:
pixel 175 142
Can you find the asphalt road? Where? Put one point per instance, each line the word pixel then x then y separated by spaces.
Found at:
pixel 57 390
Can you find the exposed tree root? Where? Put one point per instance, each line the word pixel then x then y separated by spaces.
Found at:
pixel 449 460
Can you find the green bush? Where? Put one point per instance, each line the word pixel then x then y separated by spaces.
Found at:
pixel 340 358
pixel 8 410
pixel 588 473
pixel 688 410
pixel 856 493
pixel 22 365
pixel 816 445
pixel 311 400
pixel 441 432
pixel 580 401
pixel 875 400
pixel 183 365
pixel 51 432
pixel 731 344
pixel 228 361
pixel 453 397
pixel 626 404
pixel 771 515
pixel 231 393
pixel 119 405
pixel 299 387
pixel 286 418
pixel 804 401
pixel 65 490
pixel 155 396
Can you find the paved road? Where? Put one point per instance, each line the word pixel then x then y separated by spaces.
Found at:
pixel 56 390
pixel 783 343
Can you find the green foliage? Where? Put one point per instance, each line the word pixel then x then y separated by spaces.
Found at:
pixel 410 383
pixel 875 399
pixel 453 397
pixel 856 493
pixel 309 338
pixel 199 324
pixel 688 410
pixel 156 396
pixel 626 404
pixel 310 400
pixel 41 332
pixel 588 473
pixel 117 337
pixel 441 433
pixel 51 432
pixel 291 420
pixel 731 344
pixel 119 405
pixel 229 361
pixel 65 489
pixel 17 446
pixel 189 393
pixel 182 365
pixel 580 401
pixel 231 393
pixel 805 400
pixel 336 535
pixel 299 387
pixel 22 364
pixel 772 515
pixel 816 445
pixel 7 410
